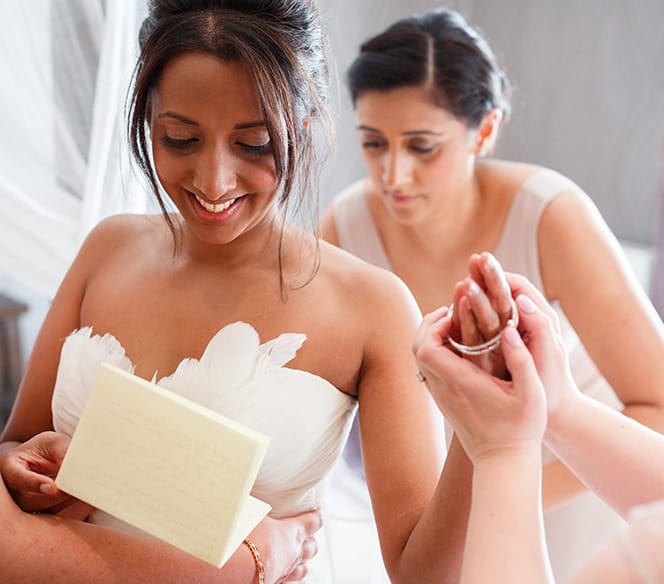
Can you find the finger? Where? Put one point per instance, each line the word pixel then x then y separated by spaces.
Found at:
pixel 56 446
pixel 19 478
pixel 312 522
pixel 475 270
pixel 487 320
pixel 540 332
pixel 300 572
pixel 520 364
pixel 441 365
pixel 77 510
pixel 435 315
pixel 520 285
pixel 497 288
pixel 470 331
pixel 309 548
pixel 428 321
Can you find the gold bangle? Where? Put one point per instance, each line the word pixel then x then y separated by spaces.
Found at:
pixel 260 568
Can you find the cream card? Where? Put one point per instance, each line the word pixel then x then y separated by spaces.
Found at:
pixel 165 465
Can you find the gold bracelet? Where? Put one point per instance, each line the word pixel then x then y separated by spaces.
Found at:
pixel 260 568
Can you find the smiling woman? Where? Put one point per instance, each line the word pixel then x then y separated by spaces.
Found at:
pixel 226 99
pixel 217 170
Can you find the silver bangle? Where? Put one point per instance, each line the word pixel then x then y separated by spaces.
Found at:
pixel 486 346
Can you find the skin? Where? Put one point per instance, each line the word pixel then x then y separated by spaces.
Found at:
pixel 209 145
pixel 501 425
pixel 61 549
pixel 431 198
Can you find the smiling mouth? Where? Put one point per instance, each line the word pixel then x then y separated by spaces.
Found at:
pixel 218 208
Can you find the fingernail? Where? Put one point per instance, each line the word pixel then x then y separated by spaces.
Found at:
pixel 491 262
pixel 526 304
pixel 473 288
pixel 512 336
pixel 47 489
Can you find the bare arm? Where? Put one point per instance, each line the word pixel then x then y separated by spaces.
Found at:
pixel 421 512
pixel 285 544
pixel 500 424
pixel 584 268
pixel 51 550
pixel 613 455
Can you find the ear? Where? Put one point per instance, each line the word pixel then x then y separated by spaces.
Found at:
pixel 487 133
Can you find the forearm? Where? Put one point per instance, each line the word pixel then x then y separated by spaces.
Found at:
pixel 53 551
pixel 505 541
pixel 559 485
pixel 611 453
pixel 434 550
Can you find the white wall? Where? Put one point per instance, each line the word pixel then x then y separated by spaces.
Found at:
pixel 588 101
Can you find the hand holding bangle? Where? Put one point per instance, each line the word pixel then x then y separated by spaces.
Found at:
pixel 487 346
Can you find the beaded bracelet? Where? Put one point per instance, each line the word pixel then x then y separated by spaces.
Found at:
pixel 260 568
pixel 492 343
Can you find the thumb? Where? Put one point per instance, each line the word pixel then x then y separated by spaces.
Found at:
pixel 519 362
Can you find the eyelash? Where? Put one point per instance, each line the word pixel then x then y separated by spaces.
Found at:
pixel 174 143
pixel 262 150
pixel 417 149
pixel 258 151
pixel 424 150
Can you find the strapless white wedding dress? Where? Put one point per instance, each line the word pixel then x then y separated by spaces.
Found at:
pixel 305 416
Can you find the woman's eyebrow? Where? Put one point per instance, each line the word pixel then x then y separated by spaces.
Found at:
pixel 190 122
pixel 407 133
pixel 249 125
pixel 178 117
pixel 422 132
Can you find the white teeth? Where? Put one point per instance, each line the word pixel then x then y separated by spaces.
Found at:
pixel 215 208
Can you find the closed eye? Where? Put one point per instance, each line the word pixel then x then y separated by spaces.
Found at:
pixel 177 143
pixel 372 144
pixel 260 150
pixel 424 149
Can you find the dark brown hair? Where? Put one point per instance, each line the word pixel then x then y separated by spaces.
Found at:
pixel 440 51
pixel 283 47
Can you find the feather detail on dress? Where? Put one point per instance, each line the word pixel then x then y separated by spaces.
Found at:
pixel 223 368
pixel 82 354
pixel 277 352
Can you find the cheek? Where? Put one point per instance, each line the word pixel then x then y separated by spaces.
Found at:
pixel 170 169
pixel 263 176
pixel 373 164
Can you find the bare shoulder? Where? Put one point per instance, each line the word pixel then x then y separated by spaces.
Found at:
pixel 118 228
pixel 366 287
pixel 114 240
pixel 569 213
pixel 505 176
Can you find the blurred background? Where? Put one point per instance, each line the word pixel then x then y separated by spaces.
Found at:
pixel 588 101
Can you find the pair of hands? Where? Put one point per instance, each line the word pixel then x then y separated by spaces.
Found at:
pixel 28 471
pixel 506 400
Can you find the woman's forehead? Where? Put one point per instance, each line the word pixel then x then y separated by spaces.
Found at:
pixel 199 82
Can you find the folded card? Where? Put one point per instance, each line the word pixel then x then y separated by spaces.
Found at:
pixel 166 465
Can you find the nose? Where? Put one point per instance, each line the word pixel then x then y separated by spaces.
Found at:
pixel 398 169
pixel 215 174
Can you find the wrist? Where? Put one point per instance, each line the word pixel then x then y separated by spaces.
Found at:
pixel 562 419
pixel 523 452
pixel 258 561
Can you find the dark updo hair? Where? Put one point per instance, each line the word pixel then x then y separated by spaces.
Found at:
pixel 281 43
pixel 440 51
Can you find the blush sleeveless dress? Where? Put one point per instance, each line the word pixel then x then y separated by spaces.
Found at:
pixel 576 527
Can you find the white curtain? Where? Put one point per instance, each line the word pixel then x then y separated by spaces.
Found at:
pixel 65 67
